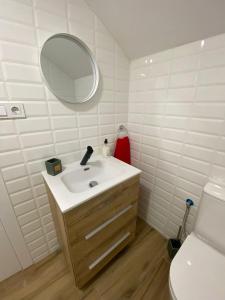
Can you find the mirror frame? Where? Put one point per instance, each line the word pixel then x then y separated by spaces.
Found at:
pixel 93 63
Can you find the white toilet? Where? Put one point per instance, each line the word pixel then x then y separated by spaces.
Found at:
pixel 198 270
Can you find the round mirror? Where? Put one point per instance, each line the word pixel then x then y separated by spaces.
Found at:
pixel 69 68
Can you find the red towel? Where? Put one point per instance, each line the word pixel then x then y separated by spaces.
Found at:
pixel 122 149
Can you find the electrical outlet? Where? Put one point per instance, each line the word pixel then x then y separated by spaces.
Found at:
pixel 12 111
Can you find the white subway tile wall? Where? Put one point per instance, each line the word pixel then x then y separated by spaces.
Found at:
pixel 51 128
pixel 176 122
pixel 175 114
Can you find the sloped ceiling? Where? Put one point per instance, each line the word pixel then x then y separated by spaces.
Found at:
pixel 144 27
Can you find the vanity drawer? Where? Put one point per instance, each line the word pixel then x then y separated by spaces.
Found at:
pixel 97 259
pixel 108 211
pixel 101 234
pixel 126 192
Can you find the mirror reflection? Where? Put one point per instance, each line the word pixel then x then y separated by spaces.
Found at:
pixel 69 68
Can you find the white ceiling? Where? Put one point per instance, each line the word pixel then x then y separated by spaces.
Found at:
pixel 143 27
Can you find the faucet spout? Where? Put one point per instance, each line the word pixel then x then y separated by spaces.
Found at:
pixel 87 156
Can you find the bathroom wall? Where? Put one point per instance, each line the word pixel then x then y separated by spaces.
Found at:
pixel 176 116
pixel 176 124
pixel 51 128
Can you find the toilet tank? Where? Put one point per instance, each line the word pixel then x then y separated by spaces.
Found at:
pixel 210 223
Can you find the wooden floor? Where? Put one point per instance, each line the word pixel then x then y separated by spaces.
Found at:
pixel 138 272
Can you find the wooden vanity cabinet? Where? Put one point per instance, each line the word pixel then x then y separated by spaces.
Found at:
pixel 92 233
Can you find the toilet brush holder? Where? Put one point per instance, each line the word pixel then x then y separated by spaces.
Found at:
pixel 174 244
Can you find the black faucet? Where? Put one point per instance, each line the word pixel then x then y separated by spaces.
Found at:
pixel 87 155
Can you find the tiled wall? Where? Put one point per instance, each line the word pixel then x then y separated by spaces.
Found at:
pixel 176 123
pixel 51 128
pixel 176 116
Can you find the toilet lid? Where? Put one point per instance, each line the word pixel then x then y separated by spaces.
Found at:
pixel 197 272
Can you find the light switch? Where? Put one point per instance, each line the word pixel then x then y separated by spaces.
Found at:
pixel 3 112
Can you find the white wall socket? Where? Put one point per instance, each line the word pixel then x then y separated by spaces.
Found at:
pixel 12 111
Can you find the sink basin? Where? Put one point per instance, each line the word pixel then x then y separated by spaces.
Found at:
pixel 100 171
pixel 77 184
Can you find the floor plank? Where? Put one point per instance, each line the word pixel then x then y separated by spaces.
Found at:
pixel 140 272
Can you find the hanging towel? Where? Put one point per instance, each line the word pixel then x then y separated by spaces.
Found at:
pixel 122 148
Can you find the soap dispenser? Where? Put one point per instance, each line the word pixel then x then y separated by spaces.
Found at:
pixel 106 149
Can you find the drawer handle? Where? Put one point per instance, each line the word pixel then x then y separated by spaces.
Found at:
pixel 107 252
pixel 109 221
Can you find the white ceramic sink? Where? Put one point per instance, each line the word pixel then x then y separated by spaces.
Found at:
pixel 79 179
pixel 73 186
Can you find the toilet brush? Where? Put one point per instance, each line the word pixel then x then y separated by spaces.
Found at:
pixel 174 244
